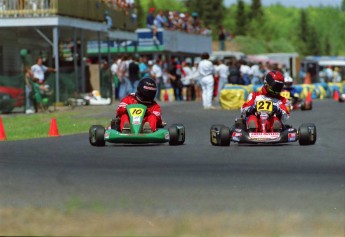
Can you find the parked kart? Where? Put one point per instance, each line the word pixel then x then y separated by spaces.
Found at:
pixel 296 103
pixel 10 98
pixel 221 135
pixel 98 135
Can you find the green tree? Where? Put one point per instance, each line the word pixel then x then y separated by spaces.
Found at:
pixel 241 19
pixel 256 11
pixel 343 5
pixel 304 28
pixel 313 42
pixel 328 48
pixel 140 14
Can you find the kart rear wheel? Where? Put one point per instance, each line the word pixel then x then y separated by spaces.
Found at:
pixel 307 106
pixel 96 135
pixel 224 136
pixel 177 134
pixel 307 134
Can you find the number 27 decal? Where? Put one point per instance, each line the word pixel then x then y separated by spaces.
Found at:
pixel 266 105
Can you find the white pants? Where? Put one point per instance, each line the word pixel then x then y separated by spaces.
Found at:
pixel 207 83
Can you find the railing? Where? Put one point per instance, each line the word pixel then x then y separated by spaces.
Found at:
pixel 93 10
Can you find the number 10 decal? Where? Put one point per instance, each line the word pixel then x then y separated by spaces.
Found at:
pixel 136 111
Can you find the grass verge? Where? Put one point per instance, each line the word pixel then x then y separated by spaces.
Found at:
pixel 54 222
pixel 78 120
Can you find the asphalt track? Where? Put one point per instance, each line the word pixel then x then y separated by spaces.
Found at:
pixel 195 177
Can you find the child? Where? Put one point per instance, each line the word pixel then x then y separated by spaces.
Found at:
pixel 273 85
pixel 146 92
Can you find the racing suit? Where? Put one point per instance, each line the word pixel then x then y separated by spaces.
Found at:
pixel 153 112
pixel 279 102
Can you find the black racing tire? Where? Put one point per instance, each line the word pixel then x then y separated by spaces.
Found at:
pixel 177 134
pixel 173 134
pixel 307 134
pixel 307 106
pixel 216 127
pixel 96 135
pixel 224 136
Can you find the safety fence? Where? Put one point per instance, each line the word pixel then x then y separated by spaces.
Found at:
pixel 14 95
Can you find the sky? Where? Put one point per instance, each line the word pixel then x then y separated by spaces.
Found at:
pixel 290 3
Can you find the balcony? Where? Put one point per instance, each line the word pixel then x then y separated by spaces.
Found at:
pixel 92 10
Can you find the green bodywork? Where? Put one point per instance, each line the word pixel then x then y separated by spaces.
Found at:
pixel 136 114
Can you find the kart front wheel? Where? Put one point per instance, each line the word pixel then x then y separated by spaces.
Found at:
pixel 220 135
pixel 96 135
pixel 177 134
pixel 307 134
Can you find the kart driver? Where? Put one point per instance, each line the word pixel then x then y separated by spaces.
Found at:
pixel 293 97
pixel 288 85
pixel 146 92
pixel 273 85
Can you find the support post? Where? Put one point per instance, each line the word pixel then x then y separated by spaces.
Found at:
pixel 57 67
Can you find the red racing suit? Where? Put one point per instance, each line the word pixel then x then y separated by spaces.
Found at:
pixel 153 112
pixel 277 100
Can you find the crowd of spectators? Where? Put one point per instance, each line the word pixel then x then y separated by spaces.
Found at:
pixel 175 20
pixel 183 76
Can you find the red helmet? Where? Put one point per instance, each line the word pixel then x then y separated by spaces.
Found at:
pixel 274 82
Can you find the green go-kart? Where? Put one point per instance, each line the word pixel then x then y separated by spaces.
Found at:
pixel 99 135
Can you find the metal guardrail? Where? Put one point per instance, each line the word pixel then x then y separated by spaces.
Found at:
pixel 93 10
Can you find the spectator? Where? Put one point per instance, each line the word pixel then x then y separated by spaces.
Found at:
pixel 106 81
pixel 221 38
pixel 245 71
pixel 196 81
pixel 186 79
pixel 39 70
pixel 206 71
pixel 157 75
pixel 134 75
pixel 234 72
pixel 144 69
pixel 223 73
pixel 115 84
pixel 122 74
pixel 28 91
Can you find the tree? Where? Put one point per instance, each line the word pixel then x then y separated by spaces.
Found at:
pixel 328 47
pixel 256 11
pixel 303 30
pixel 210 11
pixel 313 42
pixel 140 14
pixel 241 19
pixel 343 5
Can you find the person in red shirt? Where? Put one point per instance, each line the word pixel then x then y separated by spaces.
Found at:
pixel 146 92
pixel 273 85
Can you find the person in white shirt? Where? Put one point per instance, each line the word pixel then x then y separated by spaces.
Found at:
pixel 187 78
pixel 115 82
pixel 206 71
pixel 38 70
pixel 223 73
pixel 157 75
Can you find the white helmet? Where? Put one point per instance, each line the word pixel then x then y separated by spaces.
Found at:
pixel 288 81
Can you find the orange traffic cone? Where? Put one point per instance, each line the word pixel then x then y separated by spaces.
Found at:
pixel 2 131
pixel 336 95
pixel 308 98
pixel 53 132
pixel 166 96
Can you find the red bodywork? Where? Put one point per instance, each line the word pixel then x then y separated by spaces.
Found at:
pixel 17 94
